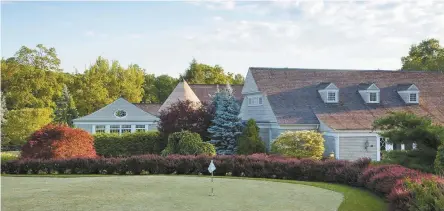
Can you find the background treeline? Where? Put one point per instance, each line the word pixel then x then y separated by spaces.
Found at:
pixel 32 83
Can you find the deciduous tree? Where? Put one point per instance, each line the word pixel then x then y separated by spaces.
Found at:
pixel 427 56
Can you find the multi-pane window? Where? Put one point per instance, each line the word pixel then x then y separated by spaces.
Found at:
pixel 125 129
pixel 255 101
pixel 413 97
pixel 373 97
pixel 114 128
pixel 140 128
pixel 100 129
pixel 331 97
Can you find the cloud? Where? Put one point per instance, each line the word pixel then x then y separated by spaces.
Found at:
pixel 359 34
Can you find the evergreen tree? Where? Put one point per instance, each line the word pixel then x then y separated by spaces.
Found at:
pixel 66 110
pixel 226 123
pixel 250 142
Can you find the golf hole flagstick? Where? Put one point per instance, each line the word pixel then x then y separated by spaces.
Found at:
pixel 211 169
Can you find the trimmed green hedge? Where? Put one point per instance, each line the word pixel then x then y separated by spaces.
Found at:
pixel 115 145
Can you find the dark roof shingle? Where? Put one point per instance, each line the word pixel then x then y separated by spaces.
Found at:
pixel 294 99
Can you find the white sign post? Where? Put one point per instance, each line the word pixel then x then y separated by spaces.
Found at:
pixel 211 169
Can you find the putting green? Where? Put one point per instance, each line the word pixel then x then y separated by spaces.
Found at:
pixel 162 193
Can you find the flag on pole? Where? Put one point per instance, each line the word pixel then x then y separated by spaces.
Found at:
pixel 212 167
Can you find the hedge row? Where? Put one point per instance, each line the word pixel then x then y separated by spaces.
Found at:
pixel 249 166
pixel 128 144
pixel 385 180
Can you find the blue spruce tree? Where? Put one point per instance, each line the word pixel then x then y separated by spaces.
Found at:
pixel 226 124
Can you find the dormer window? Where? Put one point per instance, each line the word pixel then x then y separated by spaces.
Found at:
pixel 373 97
pixel 331 96
pixel 413 98
pixel 328 92
pixel 409 93
pixel 255 101
pixel 369 92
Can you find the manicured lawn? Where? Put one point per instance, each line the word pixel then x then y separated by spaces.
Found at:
pixel 179 193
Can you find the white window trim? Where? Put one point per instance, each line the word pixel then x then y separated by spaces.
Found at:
pixel 377 97
pixel 255 101
pixel 417 97
pixel 336 96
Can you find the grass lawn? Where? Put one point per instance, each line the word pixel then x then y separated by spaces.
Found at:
pixel 179 193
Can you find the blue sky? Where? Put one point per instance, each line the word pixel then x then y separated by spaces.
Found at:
pixel 163 37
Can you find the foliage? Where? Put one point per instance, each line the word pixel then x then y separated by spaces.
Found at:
pixel 250 142
pixel 415 159
pixel 425 193
pixel 4 109
pixel 187 143
pixel 407 128
pixel 439 161
pixel 27 86
pixel 198 73
pixel 65 110
pixel 105 81
pixel 157 89
pixel 427 56
pixel 22 123
pixel 183 115
pixel 226 125
pixel 8 156
pixel 41 57
pixel 299 144
pixel 59 141
pixel 127 144
pixel 428 194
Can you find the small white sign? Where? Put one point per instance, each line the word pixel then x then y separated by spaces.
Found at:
pixel 212 167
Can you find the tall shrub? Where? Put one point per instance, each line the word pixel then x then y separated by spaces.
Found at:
pixel 299 144
pixel 226 126
pixel 185 115
pixel 59 141
pixel 250 142
pixel 187 143
pixel 22 123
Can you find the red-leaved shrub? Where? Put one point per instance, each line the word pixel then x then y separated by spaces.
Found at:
pixel 59 141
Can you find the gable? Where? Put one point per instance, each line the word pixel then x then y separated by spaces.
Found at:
pixel 107 113
pixel 249 84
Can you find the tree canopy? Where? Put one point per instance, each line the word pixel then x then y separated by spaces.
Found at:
pixel 198 73
pixel 426 56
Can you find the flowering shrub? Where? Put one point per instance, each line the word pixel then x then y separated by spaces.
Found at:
pixel 299 144
pixel 425 193
pixel 59 141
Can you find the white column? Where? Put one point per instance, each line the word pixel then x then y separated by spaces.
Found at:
pixel 106 128
pixel 402 147
pixel 133 128
pixel 93 129
pixel 378 148
pixel 388 146
pixel 414 145
pixel 147 127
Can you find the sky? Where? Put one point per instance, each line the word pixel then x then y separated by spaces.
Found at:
pixel 163 37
